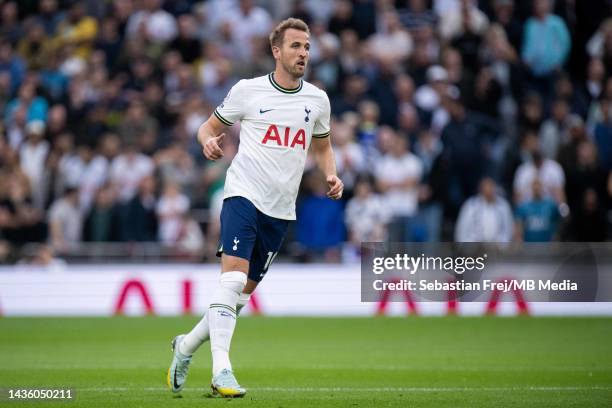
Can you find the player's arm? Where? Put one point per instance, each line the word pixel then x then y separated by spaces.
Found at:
pixel 210 136
pixel 324 157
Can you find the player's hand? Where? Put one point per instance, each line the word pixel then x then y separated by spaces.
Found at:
pixel 336 187
pixel 212 148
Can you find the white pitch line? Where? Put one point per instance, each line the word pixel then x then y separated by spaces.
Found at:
pixel 366 389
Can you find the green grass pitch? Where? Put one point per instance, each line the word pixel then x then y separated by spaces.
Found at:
pixel 320 362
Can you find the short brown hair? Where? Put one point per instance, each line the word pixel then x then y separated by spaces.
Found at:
pixel 277 35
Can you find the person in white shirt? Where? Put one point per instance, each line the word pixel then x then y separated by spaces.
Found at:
pixel 32 158
pixel 398 174
pixel 65 221
pixel 486 217
pixel 281 116
pixel 246 23
pixel 366 214
pixel 170 209
pixel 155 23
pixel 127 171
pixel 548 171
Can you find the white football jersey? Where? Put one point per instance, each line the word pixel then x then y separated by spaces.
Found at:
pixel 277 125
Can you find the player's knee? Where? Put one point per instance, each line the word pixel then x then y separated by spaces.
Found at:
pixel 234 281
pixel 233 263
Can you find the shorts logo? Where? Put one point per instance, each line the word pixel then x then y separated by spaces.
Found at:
pixel 236 241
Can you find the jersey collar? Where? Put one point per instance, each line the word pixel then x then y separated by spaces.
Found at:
pixel 284 90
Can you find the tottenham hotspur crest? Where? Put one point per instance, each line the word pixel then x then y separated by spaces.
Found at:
pixel 236 241
pixel 306 119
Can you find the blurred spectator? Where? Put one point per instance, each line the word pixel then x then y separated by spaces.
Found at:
pixel 65 221
pixel 466 139
pixel 171 209
pixel 35 107
pixel 428 98
pixel 587 174
pixel 398 174
pixel 245 24
pixel 102 222
pixel 57 122
pixel 20 221
pixel 501 56
pixel 9 23
pixel 600 44
pixel 77 30
pixel 350 159
pixel 392 44
pixel 537 219
pixel 327 67
pixel 432 191
pixel 109 42
pixel 187 43
pixel 138 220
pixel 190 238
pixel 603 135
pixel 89 172
pixel 416 15
pixel 152 23
pixel 138 127
pixel 33 154
pixel 531 113
pixel 467 19
pixel 555 131
pixel 49 15
pixel 546 44
pixel 550 174
pixel 366 216
pixel 354 91
pixel 596 110
pixel 320 226
pixel 567 155
pixel 342 18
pixel 128 170
pixel 35 48
pixel 407 114
pixel 564 88
pixel 505 16
pixel 174 164
pixel 464 31
pixel 486 217
pixel 589 222
pixel 592 88
pixel 11 64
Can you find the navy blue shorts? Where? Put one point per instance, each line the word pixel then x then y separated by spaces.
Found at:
pixel 250 234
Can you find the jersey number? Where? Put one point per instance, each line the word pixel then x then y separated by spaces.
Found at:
pixel 271 256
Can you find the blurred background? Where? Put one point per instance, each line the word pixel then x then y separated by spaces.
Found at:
pixel 453 120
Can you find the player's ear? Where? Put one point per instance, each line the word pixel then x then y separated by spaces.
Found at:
pixel 276 52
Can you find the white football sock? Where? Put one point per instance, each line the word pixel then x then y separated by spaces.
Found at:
pixel 222 317
pixel 200 334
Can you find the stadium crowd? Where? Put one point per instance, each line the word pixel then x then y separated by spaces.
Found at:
pixel 456 120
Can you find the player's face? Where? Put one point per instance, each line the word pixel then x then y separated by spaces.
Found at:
pixel 294 52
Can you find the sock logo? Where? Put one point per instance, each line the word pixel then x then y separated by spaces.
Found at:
pixel 236 241
pixel 225 314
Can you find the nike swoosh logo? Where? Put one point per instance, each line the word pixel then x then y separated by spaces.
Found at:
pixel 175 384
pixel 264 111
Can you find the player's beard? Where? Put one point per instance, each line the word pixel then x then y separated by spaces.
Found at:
pixel 294 70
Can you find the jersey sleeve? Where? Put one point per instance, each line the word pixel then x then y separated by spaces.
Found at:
pixel 321 128
pixel 232 107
